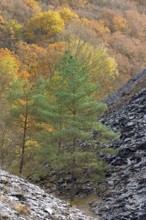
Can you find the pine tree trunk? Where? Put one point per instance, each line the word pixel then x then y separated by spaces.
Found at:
pixel 2 148
pixel 72 192
pixel 57 181
pixel 57 175
pixel 73 180
pixel 23 145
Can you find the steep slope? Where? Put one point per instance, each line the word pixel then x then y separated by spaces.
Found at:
pixel 20 200
pixel 125 196
pixel 124 94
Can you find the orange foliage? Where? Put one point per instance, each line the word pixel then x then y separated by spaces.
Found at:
pixel 24 75
pixel 136 22
pixel 4 53
pixel 114 21
pixel 107 16
pixel 51 57
pixel 98 26
pixel 30 56
pixel 39 61
pixel 1 20
pixel 124 65
pixel 47 127
pixel 132 52
pixel 119 23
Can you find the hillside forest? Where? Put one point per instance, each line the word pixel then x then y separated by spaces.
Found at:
pixel 58 60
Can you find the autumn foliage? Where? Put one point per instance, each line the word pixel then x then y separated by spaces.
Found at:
pixel 67 15
pixel 44 25
pixel 44 47
pixel 8 69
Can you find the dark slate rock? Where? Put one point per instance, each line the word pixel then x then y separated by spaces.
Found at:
pixel 122 94
pixel 125 194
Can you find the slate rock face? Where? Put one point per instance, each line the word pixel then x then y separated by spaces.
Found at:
pixel 20 200
pixel 125 196
pixel 125 93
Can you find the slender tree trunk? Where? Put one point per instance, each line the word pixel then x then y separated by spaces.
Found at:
pixel 73 178
pixel 57 181
pixel 57 172
pixel 72 191
pixel 2 149
pixel 23 145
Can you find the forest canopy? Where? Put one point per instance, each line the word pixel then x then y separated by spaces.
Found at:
pixel 58 61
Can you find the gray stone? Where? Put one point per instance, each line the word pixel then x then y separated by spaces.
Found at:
pixel 126 198
pixel 30 202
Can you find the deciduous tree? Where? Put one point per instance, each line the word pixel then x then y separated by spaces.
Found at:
pixel 68 15
pixel 8 69
pixel 22 115
pixel 11 33
pixel 21 10
pixel 39 61
pixel 44 26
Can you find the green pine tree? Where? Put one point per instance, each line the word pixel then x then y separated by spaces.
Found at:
pixel 72 113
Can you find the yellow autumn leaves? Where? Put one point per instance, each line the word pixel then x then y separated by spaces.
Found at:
pixel 8 68
pixel 47 24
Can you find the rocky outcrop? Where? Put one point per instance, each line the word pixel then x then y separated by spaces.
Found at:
pixel 124 94
pixel 20 200
pixel 125 195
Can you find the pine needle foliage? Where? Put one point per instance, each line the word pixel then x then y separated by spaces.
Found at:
pixel 71 113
